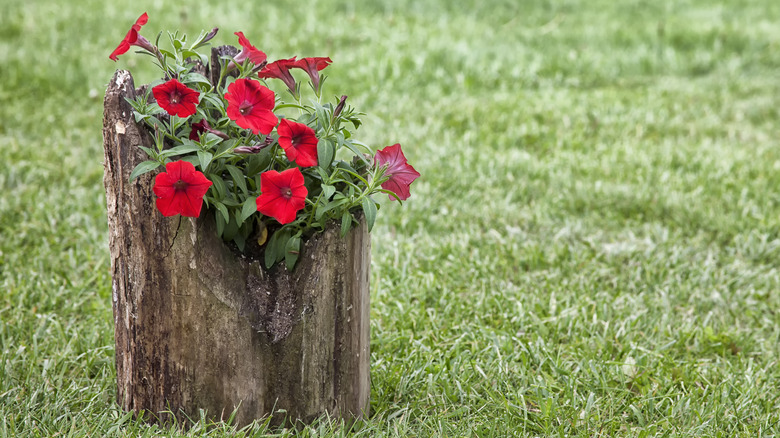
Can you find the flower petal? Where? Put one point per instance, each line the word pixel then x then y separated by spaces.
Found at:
pixel 190 203
pixel 167 206
pixel 163 186
pixel 143 19
pixel 258 116
pixel 186 201
pixel 187 98
pixel 401 174
pixel 299 142
pixel 130 38
pixel 260 120
pixel 272 203
pixel 121 49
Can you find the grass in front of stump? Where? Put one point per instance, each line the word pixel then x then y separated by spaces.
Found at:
pixel 592 250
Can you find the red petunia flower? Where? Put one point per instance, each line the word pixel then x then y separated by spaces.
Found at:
pixel 250 105
pixel 299 142
pixel 175 98
pixel 280 70
pixel 133 39
pixel 282 194
pixel 248 51
pixel 313 67
pixel 400 172
pixel 180 189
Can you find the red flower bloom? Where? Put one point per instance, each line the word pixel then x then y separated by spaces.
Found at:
pixel 175 98
pixel 282 194
pixel 248 51
pixel 133 39
pixel 180 190
pixel 281 70
pixel 299 142
pixel 250 105
pixel 313 67
pixel 400 172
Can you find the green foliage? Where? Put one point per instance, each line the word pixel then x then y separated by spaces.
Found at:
pixel 233 158
pixel 593 249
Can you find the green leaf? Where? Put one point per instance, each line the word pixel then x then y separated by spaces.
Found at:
pixel 289 105
pixel 274 249
pixel 323 117
pixel 240 241
pixel 221 222
pixel 204 158
pixel 179 150
pixel 231 229
pixel 149 151
pixel 292 251
pixel 219 185
pixel 258 162
pixel 178 122
pixel 325 152
pixel 138 104
pixel 327 191
pixel 215 102
pixel 226 145
pixel 211 140
pixel 154 109
pixel 369 208
pixel 323 175
pixel 248 209
pixel 270 255
pixel 230 201
pixel 392 195
pixel 167 53
pixel 346 223
pixel 222 209
pixel 351 146
pixel 191 159
pixel 306 118
pixel 238 177
pixel 329 206
pixel 195 77
pixel 155 122
pixel 346 166
pixel 142 168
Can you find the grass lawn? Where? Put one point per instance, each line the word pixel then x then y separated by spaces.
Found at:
pixel 593 248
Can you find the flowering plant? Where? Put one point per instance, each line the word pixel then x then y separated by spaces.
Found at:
pixel 272 170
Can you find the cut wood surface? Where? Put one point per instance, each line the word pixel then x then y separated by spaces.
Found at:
pixel 201 327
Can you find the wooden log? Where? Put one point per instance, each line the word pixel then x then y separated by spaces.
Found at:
pixel 200 326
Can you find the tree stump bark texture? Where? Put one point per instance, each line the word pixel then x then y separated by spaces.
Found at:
pixel 201 327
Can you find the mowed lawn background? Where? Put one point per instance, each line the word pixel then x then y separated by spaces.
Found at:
pixel 592 249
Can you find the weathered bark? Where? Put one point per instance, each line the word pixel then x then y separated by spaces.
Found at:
pixel 199 326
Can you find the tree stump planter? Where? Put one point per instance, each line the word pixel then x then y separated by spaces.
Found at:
pixel 199 326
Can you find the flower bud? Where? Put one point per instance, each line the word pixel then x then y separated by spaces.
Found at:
pixel 219 134
pixel 248 149
pixel 210 35
pixel 340 106
pixel 145 44
pixel 257 147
